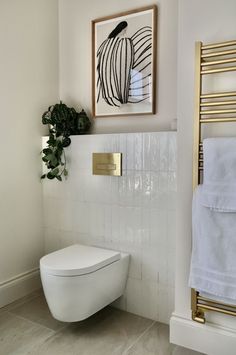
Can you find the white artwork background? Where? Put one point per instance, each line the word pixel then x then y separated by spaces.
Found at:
pixel 102 31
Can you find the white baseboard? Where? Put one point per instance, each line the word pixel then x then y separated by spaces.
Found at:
pixel 206 338
pixel 19 286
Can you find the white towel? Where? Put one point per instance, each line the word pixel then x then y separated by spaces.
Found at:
pixel 213 264
pixel 219 187
pixel 219 160
pixel 221 198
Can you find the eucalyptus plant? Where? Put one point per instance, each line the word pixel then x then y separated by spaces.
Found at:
pixel 63 121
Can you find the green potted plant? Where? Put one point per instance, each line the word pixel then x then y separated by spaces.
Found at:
pixel 63 121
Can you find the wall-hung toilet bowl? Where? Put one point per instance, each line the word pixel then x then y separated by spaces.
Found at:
pixel 80 280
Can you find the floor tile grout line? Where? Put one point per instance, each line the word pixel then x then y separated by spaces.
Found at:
pixel 51 336
pixel 9 307
pixel 139 337
pixel 33 322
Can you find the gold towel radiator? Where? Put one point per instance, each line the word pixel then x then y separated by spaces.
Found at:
pixel 210 108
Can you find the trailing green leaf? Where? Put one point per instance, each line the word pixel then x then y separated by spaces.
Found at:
pixel 55 172
pixel 50 175
pixel 47 151
pixel 63 121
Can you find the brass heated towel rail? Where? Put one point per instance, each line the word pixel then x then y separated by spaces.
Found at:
pixel 210 108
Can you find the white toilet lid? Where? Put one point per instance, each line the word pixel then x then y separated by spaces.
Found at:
pixel 77 260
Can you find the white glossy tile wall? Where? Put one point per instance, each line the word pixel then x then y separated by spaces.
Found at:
pixel 134 213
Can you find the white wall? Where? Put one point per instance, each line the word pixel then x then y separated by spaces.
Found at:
pixel 134 213
pixel 75 18
pixel 28 84
pixel 208 21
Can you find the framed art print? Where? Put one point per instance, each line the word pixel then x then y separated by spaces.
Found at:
pixel 124 63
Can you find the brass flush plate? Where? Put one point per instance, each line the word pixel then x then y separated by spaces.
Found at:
pixel 107 164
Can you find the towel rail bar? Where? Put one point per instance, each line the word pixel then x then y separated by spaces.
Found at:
pixel 218 70
pixel 217 54
pixel 218 94
pixel 218 103
pixel 217 119
pixel 218 45
pixel 215 62
pixel 205 299
pixel 200 304
pixel 216 309
pixel 216 112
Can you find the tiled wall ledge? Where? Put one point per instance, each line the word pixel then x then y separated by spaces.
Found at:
pixel 134 213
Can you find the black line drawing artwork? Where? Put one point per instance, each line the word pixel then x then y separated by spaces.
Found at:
pixel 124 66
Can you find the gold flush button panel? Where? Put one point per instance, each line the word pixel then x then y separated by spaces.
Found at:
pixel 107 164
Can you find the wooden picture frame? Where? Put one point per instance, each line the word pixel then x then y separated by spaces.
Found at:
pixel 124 63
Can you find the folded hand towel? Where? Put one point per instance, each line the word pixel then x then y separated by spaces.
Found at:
pixel 221 198
pixel 219 187
pixel 213 264
pixel 219 161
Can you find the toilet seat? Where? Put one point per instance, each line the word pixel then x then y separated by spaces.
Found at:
pixel 77 260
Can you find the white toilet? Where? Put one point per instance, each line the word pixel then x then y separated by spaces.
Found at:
pixel 80 280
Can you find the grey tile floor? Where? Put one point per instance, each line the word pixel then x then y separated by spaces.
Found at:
pixel 27 327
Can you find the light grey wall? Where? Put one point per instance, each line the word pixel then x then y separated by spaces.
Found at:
pixel 28 84
pixel 75 18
